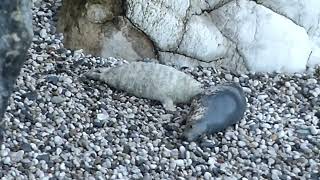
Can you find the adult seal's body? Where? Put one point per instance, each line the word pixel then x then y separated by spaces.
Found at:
pixel 152 81
pixel 215 110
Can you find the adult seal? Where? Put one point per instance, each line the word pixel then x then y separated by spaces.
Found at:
pixel 216 109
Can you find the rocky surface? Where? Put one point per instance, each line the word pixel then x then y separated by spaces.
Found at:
pixel 99 28
pixel 238 35
pixel 306 14
pixel 16 35
pixel 261 36
pixel 63 127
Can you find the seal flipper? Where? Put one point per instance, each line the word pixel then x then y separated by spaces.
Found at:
pixel 168 105
pixel 95 74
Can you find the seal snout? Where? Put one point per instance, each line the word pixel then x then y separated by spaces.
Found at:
pixel 194 132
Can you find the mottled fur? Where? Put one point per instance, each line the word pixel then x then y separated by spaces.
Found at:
pixel 152 81
pixel 215 110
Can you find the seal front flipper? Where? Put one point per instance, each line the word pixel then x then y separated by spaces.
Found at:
pixel 168 105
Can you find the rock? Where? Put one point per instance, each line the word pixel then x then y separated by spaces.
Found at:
pixel 303 13
pixel 102 116
pixel 313 130
pixel 58 140
pixel 242 143
pixel 17 32
pixel 101 31
pixel 122 40
pixel 43 33
pixel 16 156
pixel 274 56
pixel 44 157
pixel 57 99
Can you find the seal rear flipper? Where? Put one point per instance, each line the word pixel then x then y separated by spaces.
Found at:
pixel 94 74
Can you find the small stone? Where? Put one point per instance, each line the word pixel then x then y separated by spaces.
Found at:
pixel 266 125
pixel 228 77
pixel 102 116
pixel 247 90
pixel 43 33
pixel 314 130
pixel 287 84
pixel 180 162
pixel 207 175
pixel 62 166
pixel 68 94
pixel 153 166
pixel 44 157
pixel 57 99
pixel 305 148
pixel 7 160
pixel 4 153
pixel 173 164
pixel 262 96
pixel 255 83
pixel 53 79
pixel 58 140
pixel 241 143
pixel 17 156
pixel 182 150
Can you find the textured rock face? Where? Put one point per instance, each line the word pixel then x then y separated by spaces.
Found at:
pixel 99 29
pixel 16 35
pixel 303 13
pixel 265 39
pixel 239 35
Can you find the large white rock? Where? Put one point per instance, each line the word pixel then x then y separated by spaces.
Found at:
pixel 273 35
pixel 202 40
pixel 266 40
pixel 161 20
pixel 305 13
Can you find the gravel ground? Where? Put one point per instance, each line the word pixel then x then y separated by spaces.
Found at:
pixel 61 126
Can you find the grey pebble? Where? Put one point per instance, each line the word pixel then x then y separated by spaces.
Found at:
pixel 59 127
pixel 57 99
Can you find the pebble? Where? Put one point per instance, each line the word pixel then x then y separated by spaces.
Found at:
pixel 180 162
pixel 228 77
pixel 59 126
pixel 102 116
pixel 43 33
pixel 207 176
pixel 17 156
pixel 58 140
pixel 314 130
pixel 241 143
pixel 7 160
pixel 57 99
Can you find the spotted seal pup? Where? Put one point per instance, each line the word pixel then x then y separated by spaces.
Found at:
pixel 151 81
pixel 216 109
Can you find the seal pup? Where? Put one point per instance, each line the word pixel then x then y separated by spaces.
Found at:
pixel 151 81
pixel 213 111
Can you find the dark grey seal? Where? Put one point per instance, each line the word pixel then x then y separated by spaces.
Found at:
pixel 216 109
